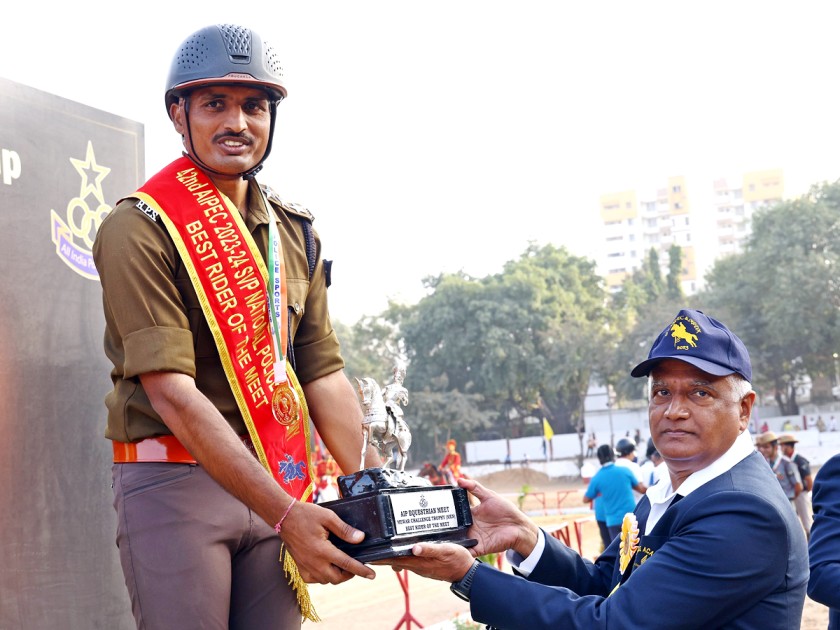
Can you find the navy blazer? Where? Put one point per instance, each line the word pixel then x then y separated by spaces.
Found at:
pixel 824 549
pixel 731 554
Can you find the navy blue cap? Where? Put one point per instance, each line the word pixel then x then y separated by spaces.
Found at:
pixel 703 342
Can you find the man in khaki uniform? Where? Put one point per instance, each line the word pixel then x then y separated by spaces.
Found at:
pixel 205 503
pixel 802 503
pixel 785 470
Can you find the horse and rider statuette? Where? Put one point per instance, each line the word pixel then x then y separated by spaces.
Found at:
pixel 383 425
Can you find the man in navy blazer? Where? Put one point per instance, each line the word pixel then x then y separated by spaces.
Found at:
pixel 714 544
pixel 824 548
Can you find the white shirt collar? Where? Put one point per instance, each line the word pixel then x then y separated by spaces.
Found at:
pixel 662 493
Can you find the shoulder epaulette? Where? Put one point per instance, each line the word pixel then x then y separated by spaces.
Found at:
pixel 294 208
pixel 298 210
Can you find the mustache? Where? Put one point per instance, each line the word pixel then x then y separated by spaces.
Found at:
pixel 240 135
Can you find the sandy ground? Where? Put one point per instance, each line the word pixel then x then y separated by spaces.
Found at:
pixel 382 603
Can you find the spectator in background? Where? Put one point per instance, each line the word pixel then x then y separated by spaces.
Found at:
pixel 326 490
pixel 653 467
pixel 604 456
pixel 601 521
pixel 824 548
pixel 613 488
pixel 591 443
pixel 802 502
pixel 784 469
pixel 450 465
pixel 625 451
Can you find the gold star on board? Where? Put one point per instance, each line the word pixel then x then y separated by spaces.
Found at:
pixel 86 168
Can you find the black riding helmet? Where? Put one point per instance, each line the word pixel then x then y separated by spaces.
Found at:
pixel 624 446
pixel 226 54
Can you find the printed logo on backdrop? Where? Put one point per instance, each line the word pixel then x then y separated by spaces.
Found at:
pixel 73 233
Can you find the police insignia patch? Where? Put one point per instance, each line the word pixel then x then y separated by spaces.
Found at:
pixel 74 233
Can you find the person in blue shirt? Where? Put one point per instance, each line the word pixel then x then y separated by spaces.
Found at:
pixel 598 506
pixel 612 490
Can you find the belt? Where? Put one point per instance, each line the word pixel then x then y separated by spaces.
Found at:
pixel 163 448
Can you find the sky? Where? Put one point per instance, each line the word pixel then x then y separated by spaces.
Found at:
pixel 446 136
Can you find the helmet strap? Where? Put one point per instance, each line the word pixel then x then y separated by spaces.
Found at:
pixel 251 172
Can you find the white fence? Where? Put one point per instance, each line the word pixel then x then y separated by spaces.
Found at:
pixel 558 459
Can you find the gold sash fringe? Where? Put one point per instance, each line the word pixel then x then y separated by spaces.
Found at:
pixel 290 569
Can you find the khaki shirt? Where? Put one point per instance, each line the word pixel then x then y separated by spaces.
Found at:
pixel 154 322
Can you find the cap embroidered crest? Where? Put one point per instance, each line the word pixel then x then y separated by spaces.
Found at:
pixel 705 343
pixel 683 339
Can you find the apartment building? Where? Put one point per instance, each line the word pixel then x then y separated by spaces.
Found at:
pixel 737 199
pixel 706 219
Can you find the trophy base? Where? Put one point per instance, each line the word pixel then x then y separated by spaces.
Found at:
pixel 397 511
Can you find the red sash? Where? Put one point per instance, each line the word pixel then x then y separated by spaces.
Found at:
pixel 230 279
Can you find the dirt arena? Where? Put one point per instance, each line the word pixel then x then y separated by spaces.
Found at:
pixel 381 603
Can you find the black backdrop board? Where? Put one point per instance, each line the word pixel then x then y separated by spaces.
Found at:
pixel 62 167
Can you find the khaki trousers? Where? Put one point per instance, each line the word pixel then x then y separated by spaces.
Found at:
pixel 193 556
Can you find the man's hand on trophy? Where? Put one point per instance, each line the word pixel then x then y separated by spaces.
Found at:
pixel 440 561
pixel 498 524
pixel 305 531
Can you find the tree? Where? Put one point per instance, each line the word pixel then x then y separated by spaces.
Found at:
pixel 637 314
pixel 432 420
pixel 650 275
pixel 673 284
pixel 781 294
pixel 521 340
pixel 371 347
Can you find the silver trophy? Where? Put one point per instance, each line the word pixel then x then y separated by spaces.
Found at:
pixel 394 509
pixel 383 422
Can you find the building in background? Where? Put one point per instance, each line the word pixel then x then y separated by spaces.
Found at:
pixel 736 200
pixel 706 219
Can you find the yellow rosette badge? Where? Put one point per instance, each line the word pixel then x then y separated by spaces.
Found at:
pixel 629 540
